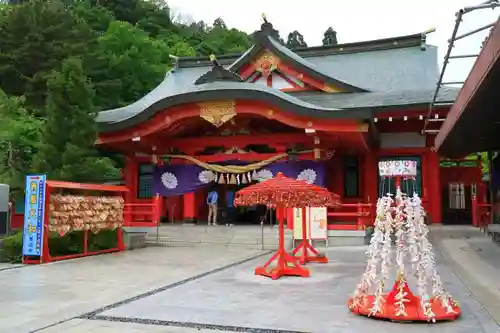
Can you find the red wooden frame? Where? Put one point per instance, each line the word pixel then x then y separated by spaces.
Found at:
pixel 363 214
pixel 481 213
pixel 52 185
pixel 143 215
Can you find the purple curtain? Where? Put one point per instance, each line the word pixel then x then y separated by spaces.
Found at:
pixel 171 180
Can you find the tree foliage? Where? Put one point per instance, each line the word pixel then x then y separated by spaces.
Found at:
pixel 36 36
pixel 295 40
pixel 61 61
pixel 330 37
pixel 67 152
pixel 19 136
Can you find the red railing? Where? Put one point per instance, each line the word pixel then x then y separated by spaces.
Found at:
pixel 143 214
pixel 481 213
pixel 361 212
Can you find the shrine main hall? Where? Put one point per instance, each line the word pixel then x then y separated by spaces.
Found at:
pixel 325 114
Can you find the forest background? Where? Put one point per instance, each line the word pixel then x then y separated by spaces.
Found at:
pixel 62 61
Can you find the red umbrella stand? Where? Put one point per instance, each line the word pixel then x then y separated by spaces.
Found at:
pixel 283 192
pixel 286 264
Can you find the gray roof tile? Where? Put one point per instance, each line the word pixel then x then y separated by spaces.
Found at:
pixel 394 76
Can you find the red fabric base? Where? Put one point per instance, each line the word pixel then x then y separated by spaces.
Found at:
pixel 413 310
pixel 277 272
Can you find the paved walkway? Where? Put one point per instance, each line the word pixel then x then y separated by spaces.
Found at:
pixel 213 289
pixel 37 296
pixel 475 259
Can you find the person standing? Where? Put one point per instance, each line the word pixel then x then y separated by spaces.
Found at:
pixel 230 208
pixel 212 198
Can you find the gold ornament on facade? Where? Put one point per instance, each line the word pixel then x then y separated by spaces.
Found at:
pixel 266 63
pixel 329 89
pixel 217 112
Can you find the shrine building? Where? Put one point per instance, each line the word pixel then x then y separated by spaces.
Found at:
pixel 326 114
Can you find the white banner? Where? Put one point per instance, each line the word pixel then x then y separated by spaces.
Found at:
pixel 316 223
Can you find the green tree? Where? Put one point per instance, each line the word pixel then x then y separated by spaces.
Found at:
pixel 295 40
pixel 330 37
pixel 126 65
pixel 96 16
pixel 67 149
pixel 19 135
pixel 36 36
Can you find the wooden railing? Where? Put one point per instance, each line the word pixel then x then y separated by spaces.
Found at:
pixel 361 213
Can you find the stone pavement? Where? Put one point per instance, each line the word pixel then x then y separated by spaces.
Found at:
pixel 150 291
pixel 37 296
pixel 475 259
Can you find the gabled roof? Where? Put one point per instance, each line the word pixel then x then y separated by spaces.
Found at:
pixel 265 39
pixel 391 72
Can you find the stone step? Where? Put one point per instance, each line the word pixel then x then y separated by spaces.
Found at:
pixel 216 240
pixel 209 245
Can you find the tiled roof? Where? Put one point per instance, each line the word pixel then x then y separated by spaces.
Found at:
pixel 391 72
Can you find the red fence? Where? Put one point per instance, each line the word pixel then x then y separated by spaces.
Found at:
pixel 481 213
pixel 143 214
pixel 362 213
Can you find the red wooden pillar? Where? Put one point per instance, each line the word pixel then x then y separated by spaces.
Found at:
pixel 189 207
pixel 432 185
pixel 370 178
pixel 131 173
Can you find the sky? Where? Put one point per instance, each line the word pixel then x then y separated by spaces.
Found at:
pixel 354 20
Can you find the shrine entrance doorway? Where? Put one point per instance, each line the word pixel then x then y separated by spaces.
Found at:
pixel 228 214
pixel 460 179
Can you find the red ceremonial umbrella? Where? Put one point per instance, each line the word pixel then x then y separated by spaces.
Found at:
pixel 283 192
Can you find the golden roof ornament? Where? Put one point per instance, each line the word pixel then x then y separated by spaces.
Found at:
pixel 213 60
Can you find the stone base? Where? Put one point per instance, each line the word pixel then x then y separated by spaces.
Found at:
pixel 346 237
pixel 134 240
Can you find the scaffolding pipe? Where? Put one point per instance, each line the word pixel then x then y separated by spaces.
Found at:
pixel 464 56
pixel 474 31
pixel 445 63
pixel 486 5
pixel 451 82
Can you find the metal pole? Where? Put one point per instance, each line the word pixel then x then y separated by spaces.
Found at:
pixel 472 32
pixel 485 5
pixel 488 4
pixel 173 213
pixel 262 235
pixel 445 63
pixel 158 232
pixel 463 56
pixel 451 82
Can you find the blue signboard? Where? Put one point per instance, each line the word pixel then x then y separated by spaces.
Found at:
pixel 34 215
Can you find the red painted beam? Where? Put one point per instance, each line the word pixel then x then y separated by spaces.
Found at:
pixel 239 141
pixel 300 76
pixel 489 55
pixel 248 157
pixel 247 71
pixel 85 187
pixel 168 120
pixel 287 79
